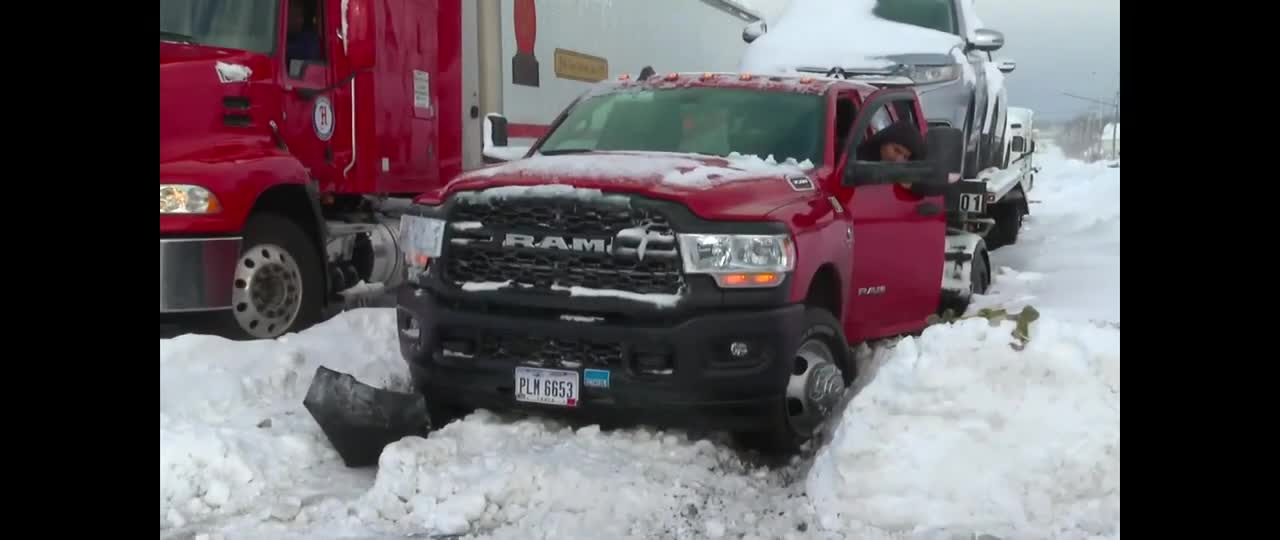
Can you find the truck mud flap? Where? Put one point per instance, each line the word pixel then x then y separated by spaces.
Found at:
pixel 359 420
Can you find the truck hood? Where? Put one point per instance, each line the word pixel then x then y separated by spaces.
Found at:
pixel 194 80
pixel 731 188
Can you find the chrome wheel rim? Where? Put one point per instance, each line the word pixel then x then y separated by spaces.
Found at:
pixel 814 387
pixel 267 292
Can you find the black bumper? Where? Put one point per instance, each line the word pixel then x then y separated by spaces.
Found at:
pixel 706 386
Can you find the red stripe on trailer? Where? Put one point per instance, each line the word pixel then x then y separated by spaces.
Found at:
pixel 527 131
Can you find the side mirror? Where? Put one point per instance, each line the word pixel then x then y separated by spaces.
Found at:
pixel 945 149
pixel 1019 144
pixel 360 34
pixel 495 147
pixel 1033 148
pixel 1007 66
pixel 754 30
pixel 985 39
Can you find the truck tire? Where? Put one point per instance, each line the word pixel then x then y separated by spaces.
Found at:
pixel 980 275
pixel 278 285
pixel 1008 216
pixel 821 369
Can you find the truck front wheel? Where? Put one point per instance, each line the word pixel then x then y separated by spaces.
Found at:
pixel 278 283
pixel 821 369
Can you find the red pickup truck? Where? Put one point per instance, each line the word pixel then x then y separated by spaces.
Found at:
pixel 689 250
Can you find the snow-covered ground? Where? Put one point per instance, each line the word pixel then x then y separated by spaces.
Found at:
pixel 950 433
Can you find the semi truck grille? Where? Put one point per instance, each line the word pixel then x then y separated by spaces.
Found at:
pixel 530 350
pixel 554 244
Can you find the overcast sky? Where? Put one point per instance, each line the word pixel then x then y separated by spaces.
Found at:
pixel 1060 46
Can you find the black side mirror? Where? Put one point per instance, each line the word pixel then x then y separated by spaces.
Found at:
pixel 494 137
pixel 497 125
pixel 1033 148
pixel 945 150
pixel 1019 144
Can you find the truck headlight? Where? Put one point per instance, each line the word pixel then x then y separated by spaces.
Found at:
pixel 934 74
pixel 739 260
pixel 187 199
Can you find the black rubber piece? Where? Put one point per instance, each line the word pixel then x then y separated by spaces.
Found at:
pixel 360 420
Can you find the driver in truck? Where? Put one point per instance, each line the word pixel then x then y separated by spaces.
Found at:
pixel 898 142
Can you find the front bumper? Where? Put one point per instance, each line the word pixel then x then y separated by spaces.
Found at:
pixel 701 385
pixel 196 273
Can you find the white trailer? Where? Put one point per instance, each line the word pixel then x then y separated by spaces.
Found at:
pixel 543 65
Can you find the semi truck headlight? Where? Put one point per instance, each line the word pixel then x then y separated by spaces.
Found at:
pixel 746 260
pixel 933 74
pixel 187 199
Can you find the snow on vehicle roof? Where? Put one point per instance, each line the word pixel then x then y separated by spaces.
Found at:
pixel 685 170
pixel 843 33
pixel 771 82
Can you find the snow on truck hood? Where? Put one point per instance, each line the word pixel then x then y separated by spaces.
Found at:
pixel 733 187
pixel 826 33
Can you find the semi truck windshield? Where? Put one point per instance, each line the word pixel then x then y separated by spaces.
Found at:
pixel 248 25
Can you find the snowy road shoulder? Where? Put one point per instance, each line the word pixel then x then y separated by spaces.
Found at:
pixel 956 432
pixel 234 437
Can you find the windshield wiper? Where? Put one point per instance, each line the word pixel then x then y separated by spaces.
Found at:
pixel 174 36
pixel 559 151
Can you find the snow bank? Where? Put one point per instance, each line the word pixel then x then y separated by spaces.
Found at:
pixel 535 478
pixel 234 436
pixel 960 433
pixel 826 33
pixel 1067 259
pixel 957 432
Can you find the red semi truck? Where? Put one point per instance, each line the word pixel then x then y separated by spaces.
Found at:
pixel 694 249
pixel 292 131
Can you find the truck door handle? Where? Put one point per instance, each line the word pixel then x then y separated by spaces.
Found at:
pixel 928 209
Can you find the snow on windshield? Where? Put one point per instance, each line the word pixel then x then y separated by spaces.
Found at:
pixel 825 33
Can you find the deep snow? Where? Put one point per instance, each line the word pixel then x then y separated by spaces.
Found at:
pixel 952 432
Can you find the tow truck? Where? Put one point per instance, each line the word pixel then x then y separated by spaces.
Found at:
pixel 691 250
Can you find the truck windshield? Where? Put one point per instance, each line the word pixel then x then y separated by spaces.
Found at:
pixel 248 25
pixel 937 15
pixel 711 121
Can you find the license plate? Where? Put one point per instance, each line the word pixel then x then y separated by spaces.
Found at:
pixel 421 236
pixel 547 386
pixel 973 202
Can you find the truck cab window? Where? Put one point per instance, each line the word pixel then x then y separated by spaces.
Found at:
pixel 304 42
pixel 906 111
pixel 881 120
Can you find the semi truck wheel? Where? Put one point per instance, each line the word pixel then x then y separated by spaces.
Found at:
pixel 278 284
pixel 821 369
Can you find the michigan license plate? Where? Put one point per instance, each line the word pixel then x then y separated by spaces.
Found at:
pixel 547 386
